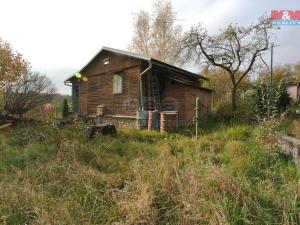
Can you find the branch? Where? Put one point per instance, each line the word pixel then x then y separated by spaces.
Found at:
pixel 255 54
pixel 211 59
pixel 238 53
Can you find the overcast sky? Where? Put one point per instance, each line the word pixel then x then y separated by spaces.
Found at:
pixel 58 37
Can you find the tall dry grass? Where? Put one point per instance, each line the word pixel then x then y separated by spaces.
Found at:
pixel 53 176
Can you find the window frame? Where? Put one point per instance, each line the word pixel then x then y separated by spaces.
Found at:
pixel 106 61
pixel 116 90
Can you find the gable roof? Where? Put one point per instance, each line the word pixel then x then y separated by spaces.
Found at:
pixel 142 57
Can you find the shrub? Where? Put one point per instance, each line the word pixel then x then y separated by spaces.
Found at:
pixel 65 109
pixel 244 112
pixel 280 101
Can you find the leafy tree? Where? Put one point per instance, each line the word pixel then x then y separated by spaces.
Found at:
pixel 236 49
pixel 221 84
pixel 284 72
pixel 65 108
pixel 297 71
pixel 157 37
pixel 12 66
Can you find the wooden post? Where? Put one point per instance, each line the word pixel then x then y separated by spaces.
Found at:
pixel 197 116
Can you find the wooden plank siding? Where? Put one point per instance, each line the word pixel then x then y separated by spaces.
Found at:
pixel 98 90
pixel 182 97
pixel 127 102
pixel 83 91
pixel 116 63
pixel 205 103
pixel 106 92
pixel 94 89
pixel 173 98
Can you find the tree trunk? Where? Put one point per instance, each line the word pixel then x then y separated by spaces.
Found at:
pixel 234 98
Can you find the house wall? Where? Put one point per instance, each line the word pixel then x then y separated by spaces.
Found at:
pixel 83 88
pixel 98 90
pixel 292 90
pixel 173 98
pixel 205 100
pixel 181 98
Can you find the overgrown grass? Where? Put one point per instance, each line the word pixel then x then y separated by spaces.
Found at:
pixel 228 176
pixel 290 126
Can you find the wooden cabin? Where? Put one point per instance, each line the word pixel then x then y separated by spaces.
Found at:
pixel 117 84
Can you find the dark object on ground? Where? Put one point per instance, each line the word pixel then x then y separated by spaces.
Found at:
pixel 254 121
pixel 70 119
pixel 4 119
pixel 16 121
pixel 65 122
pixel 87 119
pixel 104 129
pixel 188 133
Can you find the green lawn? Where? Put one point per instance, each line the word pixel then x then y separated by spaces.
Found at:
pixel 228 176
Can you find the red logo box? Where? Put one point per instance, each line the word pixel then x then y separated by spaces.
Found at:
pixel 285 15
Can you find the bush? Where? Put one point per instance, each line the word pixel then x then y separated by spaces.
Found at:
pixel 244 113
pixel 65 109
pixel 27 93
pixel 280 101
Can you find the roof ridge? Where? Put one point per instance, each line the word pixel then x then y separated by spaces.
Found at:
pixel 133 54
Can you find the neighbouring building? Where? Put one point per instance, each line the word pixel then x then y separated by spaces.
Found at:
pixel 293 89
pixel 120 87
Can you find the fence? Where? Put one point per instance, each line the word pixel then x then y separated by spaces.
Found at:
pixel 291 146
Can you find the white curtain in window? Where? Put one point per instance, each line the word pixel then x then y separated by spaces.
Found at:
pixel 117 83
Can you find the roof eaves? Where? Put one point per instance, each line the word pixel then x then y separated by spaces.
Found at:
pixel 157 62
pixel 68 78
pixel 191 84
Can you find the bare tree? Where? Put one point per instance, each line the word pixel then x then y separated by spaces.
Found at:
pixel 28 92
pixel 236 49
pixel 157 35
pixel 141 39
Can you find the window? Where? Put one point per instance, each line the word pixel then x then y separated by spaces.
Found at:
pixel 106 61
pixel 117 83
